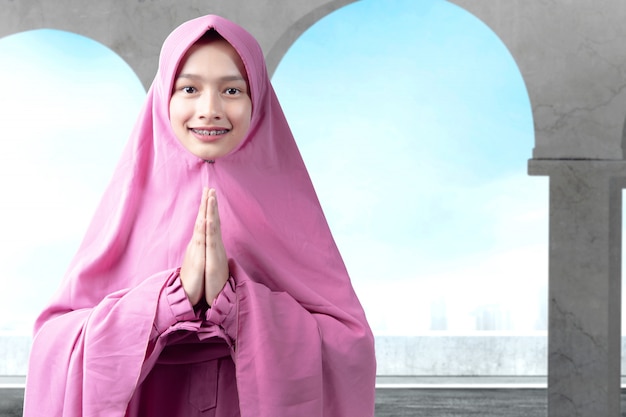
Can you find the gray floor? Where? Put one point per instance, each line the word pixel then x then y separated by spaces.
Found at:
pixel 408 402
pixel 438 402
pixel 411 397
pixel 461 403
pixel 11 402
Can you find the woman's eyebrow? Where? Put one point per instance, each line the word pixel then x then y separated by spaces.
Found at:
pixel 190 76
pixel 234 77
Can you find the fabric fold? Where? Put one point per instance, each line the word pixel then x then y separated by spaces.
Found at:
pixel 223 310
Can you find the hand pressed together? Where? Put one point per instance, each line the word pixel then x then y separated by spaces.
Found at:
pixel 205 266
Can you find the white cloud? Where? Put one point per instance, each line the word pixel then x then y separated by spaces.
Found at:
pixel 397 279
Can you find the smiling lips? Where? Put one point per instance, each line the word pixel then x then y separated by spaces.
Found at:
pixel 209 134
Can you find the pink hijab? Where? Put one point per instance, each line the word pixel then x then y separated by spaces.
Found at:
pixel 303 345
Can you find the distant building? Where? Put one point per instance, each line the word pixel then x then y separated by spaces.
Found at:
pixel 438 314
pixel 493 317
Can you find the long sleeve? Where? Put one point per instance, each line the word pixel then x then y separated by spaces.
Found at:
pixel 87 362
pixel 291 360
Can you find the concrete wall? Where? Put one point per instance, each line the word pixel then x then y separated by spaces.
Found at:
pixel 449 355
pixel 484 355
pixel 433 355
pixel 430 355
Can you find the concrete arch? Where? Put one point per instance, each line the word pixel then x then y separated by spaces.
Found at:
pixel 571 56
pixel 136 30
pixel 573 63
pixel 578 98
pixel 572 60
pixel 276 53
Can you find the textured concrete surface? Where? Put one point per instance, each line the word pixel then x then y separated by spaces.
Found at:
pixel 585 286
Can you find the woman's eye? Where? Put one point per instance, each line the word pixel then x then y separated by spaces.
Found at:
pixel 231 91
pixel 188 90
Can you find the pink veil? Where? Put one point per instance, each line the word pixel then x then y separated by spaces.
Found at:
pixel 298 316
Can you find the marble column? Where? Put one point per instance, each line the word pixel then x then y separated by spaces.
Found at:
pixel 585 286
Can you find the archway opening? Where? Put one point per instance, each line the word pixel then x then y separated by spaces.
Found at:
pixel 67 107
pixel 416 125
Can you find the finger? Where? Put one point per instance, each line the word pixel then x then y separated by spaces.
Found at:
pixel 202 210
pixel 216 273
pixel 213 219
pixel 199 234
pixel 193 267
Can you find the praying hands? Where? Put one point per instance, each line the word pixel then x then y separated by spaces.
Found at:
pixel 205 266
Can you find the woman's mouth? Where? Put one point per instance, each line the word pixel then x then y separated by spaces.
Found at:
pixel 211 132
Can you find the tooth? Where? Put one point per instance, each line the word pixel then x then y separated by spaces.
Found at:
pixel 210 132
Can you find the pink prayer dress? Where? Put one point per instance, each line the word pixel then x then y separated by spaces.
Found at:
pixel 287 335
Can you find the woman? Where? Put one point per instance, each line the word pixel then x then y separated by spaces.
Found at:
pixel 208 282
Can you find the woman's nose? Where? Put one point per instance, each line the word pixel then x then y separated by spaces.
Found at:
pixel 210 106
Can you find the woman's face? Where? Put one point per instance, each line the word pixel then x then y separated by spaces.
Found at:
pixel 210 107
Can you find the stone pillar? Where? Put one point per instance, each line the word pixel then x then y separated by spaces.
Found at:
pixel 585 286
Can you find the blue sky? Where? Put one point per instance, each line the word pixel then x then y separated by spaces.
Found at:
pixel 413 120
pixel 416 126
pixel 67 105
